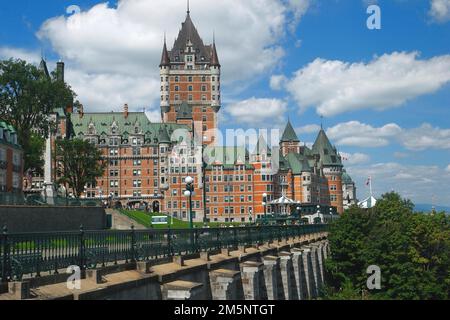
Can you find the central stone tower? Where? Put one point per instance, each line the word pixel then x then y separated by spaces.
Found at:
pixel 190 82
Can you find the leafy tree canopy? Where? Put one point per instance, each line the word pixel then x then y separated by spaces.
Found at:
pixel 81 163
pixel 412 250
pixel 27 97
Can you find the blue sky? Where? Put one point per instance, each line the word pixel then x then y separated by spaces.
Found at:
pixel 384 94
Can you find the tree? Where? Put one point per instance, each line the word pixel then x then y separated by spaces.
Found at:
pixel 412 250
pixel 81 163
pixel 27 97
pixel 33 156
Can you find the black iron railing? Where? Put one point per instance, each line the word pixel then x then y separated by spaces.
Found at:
pixel 33 254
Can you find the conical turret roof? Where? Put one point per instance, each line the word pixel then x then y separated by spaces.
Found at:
pixel 165 60
pixel 189 35
pixel 261 146
pixel 289 134
pixel 214 56
pixel 323 147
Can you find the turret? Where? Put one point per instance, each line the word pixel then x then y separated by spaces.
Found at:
pixel 164 71
pixel 289 140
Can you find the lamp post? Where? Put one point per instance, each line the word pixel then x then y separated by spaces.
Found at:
pixel 264 203
pixel 188 193
pixel 331 213
pixel 111 195
pixel 318 212
pixel 204 165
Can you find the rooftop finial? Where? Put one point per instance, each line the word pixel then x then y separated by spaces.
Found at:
pixel 188 9
pixel 321 122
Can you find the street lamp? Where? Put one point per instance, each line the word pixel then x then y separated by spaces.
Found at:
pixel 264 203
pixel 188 193
pixel 331 213
pixel 111 195
pixel 318 213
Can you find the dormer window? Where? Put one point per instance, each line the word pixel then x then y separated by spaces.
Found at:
pixel 114 128
pixel 91 129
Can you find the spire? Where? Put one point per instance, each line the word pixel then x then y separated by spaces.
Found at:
pixel 187 33
pixel 43 68
pixel 214 56
pixel 289 134
pixel 262 147
pixel 165 60
pixel 188 9
pixel 323 147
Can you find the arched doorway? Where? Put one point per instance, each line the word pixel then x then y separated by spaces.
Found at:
pixel 155 206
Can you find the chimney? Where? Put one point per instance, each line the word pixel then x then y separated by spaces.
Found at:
pixel 60 71
pixel 69 109
pixel 80 111
pixel 125 110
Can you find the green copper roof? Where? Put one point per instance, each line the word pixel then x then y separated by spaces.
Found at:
pixel 283 163
pixel 328 154
pixel 184 112
pixel 298 163
pixel 163 135
pixel 102 124
pixel 228 157
pixel 289 134
pixel 346 177
pixel 12 137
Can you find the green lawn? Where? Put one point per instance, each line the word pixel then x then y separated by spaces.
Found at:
pixel 144 219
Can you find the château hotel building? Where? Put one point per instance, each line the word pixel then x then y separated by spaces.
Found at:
pixel 147 162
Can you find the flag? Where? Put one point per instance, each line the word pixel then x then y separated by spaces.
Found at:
pixel 368 181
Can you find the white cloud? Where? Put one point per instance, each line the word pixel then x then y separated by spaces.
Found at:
pixel 387 81
pixel 299 8
pixel 415 182
pixel 257 111
pixel 448 168
pixel 355 133
pixel 112 52
pixel 426 137
pixel 29 56
pixel 277 82
pixel 400 155
pixel 310 128
pixel 440 10
pixel 354 158
pixel 108 92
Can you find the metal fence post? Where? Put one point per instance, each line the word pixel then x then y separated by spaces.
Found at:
pixel 169 242
pixel 196 246
pixel 133 244
pixel 5 256
pixel 81 249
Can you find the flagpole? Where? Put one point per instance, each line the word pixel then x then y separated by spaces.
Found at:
pixel 370 186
